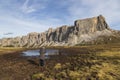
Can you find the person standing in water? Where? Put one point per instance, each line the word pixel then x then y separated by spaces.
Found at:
pixel 42 57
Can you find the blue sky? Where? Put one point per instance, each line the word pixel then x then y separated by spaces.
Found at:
pixel 19 17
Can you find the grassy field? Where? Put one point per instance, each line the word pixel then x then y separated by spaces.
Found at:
pixel 92 62
pixel 6 50
pixel 96 62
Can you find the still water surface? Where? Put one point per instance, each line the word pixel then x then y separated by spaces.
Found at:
pixel 36 52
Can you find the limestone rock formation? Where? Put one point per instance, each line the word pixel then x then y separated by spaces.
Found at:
pixel 91 25
pixel 84 30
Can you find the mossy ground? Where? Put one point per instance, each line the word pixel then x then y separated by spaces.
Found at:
pixel 96 62
pixel 93 62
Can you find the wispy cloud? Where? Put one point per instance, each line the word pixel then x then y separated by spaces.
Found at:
pixel 30 6
pixel 27 8
pixel 9 33
pixel 20 22
pixel 24 26
pixel 87 8
pixel 24 16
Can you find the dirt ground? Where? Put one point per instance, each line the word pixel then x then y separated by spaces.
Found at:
pixel 16 67
pixel 13 66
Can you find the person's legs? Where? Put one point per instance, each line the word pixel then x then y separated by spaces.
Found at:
pixel 41 62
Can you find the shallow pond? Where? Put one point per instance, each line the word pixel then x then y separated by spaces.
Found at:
pixel 36 52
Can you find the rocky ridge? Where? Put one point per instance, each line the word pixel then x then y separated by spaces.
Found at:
pixel 84 30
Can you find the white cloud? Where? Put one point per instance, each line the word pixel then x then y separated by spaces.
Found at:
pixel 24 26
pixel 87 8
pixel 26 8
pixel 20 22
pixel 30 6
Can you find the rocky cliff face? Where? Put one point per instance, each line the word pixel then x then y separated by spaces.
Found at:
pixel 84 30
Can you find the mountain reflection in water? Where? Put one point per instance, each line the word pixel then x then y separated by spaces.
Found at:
pixel 36 52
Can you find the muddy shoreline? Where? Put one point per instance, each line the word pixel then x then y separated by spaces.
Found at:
pixel 13 66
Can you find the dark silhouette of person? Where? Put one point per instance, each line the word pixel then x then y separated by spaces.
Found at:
pixel 42 57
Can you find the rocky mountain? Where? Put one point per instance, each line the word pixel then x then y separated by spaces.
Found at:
pixel 83 31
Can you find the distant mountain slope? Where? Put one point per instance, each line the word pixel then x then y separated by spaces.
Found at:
pixel 83 31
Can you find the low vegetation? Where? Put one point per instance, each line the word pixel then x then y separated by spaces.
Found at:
pixel 96 62
pixel 6 50
pixel 91 62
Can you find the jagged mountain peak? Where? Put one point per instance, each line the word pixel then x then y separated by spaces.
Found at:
pixel 93 24
pixel 83 30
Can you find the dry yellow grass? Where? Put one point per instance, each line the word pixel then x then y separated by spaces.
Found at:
pixel 102 62
pixel 5 50
pixel 110 53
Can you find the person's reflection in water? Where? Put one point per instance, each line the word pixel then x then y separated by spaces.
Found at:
pixel 60 52
pixel 42 58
